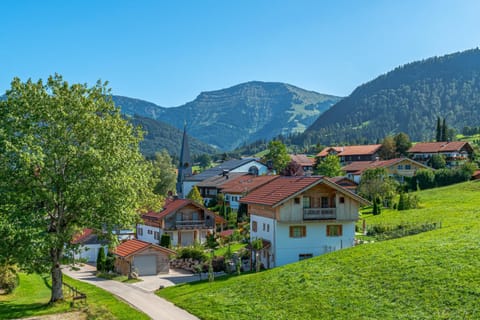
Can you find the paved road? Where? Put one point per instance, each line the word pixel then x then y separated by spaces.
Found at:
pixel 145 301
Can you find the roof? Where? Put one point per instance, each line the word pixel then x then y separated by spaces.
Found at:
pixel 218 170
pixel 82 237
pixel 302 160
pixel 368 149
pixel 217 181
pixel 436 147
pixel 133 246
pixel 245 184
pixel 360 166
pixel 282 189
pixel 171 206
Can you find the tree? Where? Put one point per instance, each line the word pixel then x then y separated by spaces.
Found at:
pixel 277 155
pixel 438 136
pixel 204 161
pixel 292 169
pixel 110 262
pixel 425 179
pixel 164 174
pixel 437 161
pixel 165 240
pixel 376 184
pixel 101 260
pixel 402 143
pixel 387 151
pixel 328 166
pixel 195 195
pixel 68 161
pixel 444 130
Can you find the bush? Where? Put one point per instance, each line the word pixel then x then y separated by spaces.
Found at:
pixel 8 278
pixel 110 262
pixel 165 241
pixel 191 253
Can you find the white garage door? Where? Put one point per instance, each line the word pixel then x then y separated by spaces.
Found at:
pixel 145 265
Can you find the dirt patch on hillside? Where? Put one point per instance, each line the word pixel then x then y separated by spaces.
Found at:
pixel 77 315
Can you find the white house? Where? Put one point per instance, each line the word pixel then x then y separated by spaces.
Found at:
pixel 247 165
pixel 239 187
pixel 301 217
pixel 185 221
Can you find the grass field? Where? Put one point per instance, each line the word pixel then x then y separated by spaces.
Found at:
pixel 432 275
pixel 32 296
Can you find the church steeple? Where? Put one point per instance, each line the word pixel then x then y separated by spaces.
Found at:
pixel 185 166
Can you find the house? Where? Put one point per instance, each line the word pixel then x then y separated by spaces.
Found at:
pixel 88 243
pixel 210 187
pixel 247 165
pixel 303 161
pixel 142 257
pixel 455 153
pixel 346 183
pixel 185 221
pixel 301 217
pixel 399 168
pixel 239 187
pixel 348 154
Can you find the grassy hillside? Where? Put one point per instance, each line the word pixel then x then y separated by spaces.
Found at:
pixel 432 275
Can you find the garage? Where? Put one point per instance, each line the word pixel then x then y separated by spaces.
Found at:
pixel 145 265
pixel 143 257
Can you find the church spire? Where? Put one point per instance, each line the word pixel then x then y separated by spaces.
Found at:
pixel 185 165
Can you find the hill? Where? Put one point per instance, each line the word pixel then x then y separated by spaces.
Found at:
pixel 431 275
pixel 248 112
pixel 407 99
pixel 160 136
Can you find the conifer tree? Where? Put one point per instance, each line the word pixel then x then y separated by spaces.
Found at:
pixel 438 137
pixel 101 260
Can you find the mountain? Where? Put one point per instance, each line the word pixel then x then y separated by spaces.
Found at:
pixel 247 112
pixel 408 99
pixel 160 136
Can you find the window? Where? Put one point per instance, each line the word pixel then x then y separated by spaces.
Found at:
pixel 268 228
pixel 298 231
pixel 227 197
pixel 334 230
pixel 139 232
pixel 400 167
pixel 342 199
pixel 253 170
pixel 408 167
pixel 297 200
pixel 149 231
pixel 324 203
pixel 306 202
pixel 254 226
pixel 156 235
pixel 264 227
pixel 303 256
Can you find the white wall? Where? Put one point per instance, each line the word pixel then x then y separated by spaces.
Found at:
pixel 266 231
pixel 89 252
pixel 149 237
pixel 262 169
pixel 316 241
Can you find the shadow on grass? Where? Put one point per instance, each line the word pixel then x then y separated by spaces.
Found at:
pixel 11 310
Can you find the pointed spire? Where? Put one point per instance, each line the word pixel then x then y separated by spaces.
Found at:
pixel 185 165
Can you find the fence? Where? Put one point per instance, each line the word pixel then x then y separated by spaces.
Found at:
pixel 74 293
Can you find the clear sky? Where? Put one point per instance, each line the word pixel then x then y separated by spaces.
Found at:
pixel 167 52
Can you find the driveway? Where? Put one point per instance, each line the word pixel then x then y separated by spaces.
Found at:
pixel 140 297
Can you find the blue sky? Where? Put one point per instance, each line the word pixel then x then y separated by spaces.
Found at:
pixel 167 52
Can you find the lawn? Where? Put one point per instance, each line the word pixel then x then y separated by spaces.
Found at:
pixel 234 247
pixel 32 296
pixel 432 275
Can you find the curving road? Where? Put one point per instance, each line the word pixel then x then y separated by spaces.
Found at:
pixel 145 301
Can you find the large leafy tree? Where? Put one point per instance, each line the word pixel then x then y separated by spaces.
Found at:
pixel 277 156
pixel 68 160
pixel 164 174
pixel 402 143
pixel 376 184
pixel 328 166
pixel 195 195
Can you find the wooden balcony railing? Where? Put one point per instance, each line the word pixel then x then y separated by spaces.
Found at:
pixel 319 213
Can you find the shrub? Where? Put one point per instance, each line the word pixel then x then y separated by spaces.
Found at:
pixel 110 262
pixel 191 253
pixel 8 278
pixel 101 260
pixel 165 241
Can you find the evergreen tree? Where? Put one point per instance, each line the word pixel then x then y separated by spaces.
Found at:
pixel 401 202
pixel 438 136
pixel 444 130
pixel 110 262
pixel 101 260
pixel 165 241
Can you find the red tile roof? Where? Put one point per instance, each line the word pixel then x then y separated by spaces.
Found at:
pixel 302 160
pixel 279 189
pixel 351 150
pixel 171 206
pixel 436 147
pixel 245 184
pixel 360 166
pixel 82 236
pixel 130 247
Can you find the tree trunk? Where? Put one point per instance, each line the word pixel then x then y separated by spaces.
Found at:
pixel 57 277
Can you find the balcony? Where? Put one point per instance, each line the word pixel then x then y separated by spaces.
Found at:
pixel 190 224
pixel 319 213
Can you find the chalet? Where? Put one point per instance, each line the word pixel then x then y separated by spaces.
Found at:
pixel 210 187
pixel 142 257
pixel 455 153
pixel 399 168
pixel 239 187
pixel 303 161
pixel 185 221
pixel 247 165
pixel 348 154
pixel 301 217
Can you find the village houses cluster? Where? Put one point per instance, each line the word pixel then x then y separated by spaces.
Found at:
pixel 295 217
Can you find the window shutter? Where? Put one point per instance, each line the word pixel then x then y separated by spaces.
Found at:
pixel 291 232
pixel 304 231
